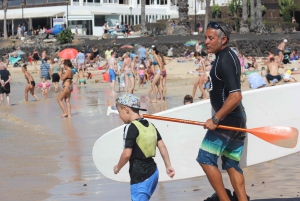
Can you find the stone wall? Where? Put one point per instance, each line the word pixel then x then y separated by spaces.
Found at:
pixel 254 45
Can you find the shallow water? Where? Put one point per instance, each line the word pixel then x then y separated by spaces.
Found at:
pixel 57 154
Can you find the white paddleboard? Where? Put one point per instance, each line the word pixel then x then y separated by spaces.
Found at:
pixel 271 106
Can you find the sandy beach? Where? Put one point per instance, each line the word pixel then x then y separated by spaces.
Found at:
pixel 45 157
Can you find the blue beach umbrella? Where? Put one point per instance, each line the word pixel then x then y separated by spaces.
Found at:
pixel 191 43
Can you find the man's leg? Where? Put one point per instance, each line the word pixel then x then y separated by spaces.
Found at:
pixel 7 99
pixel 215 179
pixel 238 183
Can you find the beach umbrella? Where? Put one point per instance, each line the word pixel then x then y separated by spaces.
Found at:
pixel 68 53
pixel 191 43
pixel 127 47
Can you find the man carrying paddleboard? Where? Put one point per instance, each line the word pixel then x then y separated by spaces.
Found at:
pixel 225 98
pixel 140 141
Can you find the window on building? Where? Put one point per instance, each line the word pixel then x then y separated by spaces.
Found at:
pixel 97 1
pixel 123 1
pixel 89 1
pixel 33 2
pixel 99 20
pixel 56 1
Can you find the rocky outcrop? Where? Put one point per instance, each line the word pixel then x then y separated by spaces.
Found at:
pixel 254 45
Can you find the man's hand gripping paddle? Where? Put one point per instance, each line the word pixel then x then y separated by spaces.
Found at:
pixel 281 136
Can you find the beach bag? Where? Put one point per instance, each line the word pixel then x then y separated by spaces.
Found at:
pixel 256 81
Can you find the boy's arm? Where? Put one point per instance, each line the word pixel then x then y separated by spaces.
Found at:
pixel 123 160
pixel 165 155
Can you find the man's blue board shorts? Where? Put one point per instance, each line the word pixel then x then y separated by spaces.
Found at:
pixel 228 145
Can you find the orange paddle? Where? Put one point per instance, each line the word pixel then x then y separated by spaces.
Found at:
pixel 281 136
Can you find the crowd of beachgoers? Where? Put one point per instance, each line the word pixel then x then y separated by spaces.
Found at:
pixel 132 70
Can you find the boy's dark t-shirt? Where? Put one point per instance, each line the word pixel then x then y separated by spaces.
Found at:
pixel 140 167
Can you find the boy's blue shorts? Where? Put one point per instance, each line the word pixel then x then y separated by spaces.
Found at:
pixel 144 190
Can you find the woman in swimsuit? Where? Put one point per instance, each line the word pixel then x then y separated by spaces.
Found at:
pixel 163 78
pixel 156 80
pixel 202 76
pixel 36 57
pixel 134 69
pixel 31 84
pixel 126 67
pixel 67 88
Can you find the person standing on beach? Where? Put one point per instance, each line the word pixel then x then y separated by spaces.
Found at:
pixel 140 141
pixel 30 83
pixel 280 50
pixel 112 70
pixel 66 75
pixel 36 58
pixel 54 71
pixel 126 68
pixel 228 110
pixel 44 69
pixel 198 46
pixel 5 79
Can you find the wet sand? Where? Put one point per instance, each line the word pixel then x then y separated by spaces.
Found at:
pixel 45 157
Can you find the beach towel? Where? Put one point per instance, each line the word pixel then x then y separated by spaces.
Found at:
pixel 255 81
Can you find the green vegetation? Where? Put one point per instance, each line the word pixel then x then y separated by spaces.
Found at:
pixel 286 9
pixel 235 7
pixel 216 11
pixel 263 9
pixel 66 36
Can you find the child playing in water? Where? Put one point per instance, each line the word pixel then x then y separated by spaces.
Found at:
pixel 141 72
pixel 80 78
pixel 45 86
pixel 140 141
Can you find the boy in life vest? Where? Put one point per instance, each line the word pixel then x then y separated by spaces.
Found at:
pixel 140 141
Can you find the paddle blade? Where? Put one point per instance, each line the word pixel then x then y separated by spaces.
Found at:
pixel 281 136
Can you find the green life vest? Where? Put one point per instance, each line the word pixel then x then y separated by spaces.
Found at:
pixel 147 139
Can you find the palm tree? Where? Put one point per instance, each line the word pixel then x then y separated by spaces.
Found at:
pixel 207 9
pixel 259 23
pixel 5 5
pixel 252 7
pixel 183 10
pixel 143 17
pixel 244 28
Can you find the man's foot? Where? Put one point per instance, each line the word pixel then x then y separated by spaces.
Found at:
pixel 148 99
pixel 215 197
pixel 234 197
pixel 154 101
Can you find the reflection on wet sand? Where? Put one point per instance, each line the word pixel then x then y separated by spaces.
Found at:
pixel 73 145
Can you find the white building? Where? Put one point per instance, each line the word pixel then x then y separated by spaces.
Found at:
pixel 90 15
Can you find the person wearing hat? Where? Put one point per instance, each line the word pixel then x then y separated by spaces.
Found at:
pixel 140 141
pixel 54 71
pixel 280 50
pixel 227 109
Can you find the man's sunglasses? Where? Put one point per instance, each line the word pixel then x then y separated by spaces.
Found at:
pixel 215 25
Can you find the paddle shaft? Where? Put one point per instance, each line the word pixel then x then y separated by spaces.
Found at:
pixel 192 122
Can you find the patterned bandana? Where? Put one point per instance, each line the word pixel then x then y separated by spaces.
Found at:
pixel 130 100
